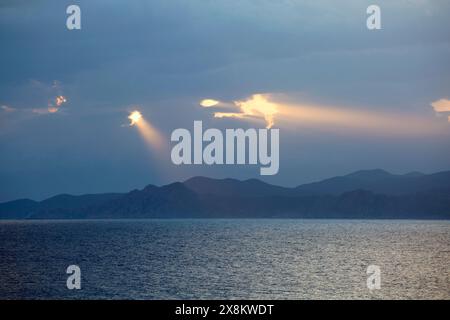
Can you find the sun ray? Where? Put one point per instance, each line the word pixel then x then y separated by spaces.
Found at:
pixel 147 131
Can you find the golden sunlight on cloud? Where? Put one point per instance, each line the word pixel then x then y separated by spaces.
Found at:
pixel 209 103
pixel 134 117
pixel 52 106
pixel 59 100
pixel 363 121
pixel 441 106
pixel 273 109
pixel 149 133
pixel 257 106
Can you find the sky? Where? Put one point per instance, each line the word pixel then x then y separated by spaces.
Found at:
pixel 346 98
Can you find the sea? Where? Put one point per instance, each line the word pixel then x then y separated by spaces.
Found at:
pixel 225 259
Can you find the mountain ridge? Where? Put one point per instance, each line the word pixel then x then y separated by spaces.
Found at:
pixel 362 194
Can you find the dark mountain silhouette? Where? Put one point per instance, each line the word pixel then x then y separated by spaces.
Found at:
pixel 18 209
pixel 369 194
pixel 174 200
pixel 379 181
pixel 233 187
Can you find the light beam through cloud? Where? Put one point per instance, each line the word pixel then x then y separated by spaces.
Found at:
pixel 257 106
pixel 333 118
pixel 148 132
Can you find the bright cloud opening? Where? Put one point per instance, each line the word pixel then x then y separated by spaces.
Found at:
pixel 149 133
pixel 134 117
pixel 59 100
pixel 257 106
pixel 206 103
pixel 272 108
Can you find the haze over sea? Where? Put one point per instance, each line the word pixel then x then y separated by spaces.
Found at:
pixel 225 259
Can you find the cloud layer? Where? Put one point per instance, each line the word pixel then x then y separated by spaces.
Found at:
pixel 166 56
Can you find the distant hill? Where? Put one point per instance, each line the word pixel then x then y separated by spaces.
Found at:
pixel 18 209
pixel 369 194
pixel 233 187
pixel 379 181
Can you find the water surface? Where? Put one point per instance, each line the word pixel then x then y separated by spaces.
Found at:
pixel 225 259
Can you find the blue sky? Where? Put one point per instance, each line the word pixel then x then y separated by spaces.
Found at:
pixel 163 57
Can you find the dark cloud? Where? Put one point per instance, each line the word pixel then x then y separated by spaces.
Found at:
pixel 165 56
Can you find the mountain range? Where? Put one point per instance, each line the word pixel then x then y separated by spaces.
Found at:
pixel 367 194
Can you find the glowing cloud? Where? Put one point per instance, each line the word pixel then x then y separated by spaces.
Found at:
pixel 134 117
pixel 274 108
pixel 59 100
pixel 206 103
pixel 257 106
pixel 52 107
pixel 53 94
pixel 441 106
pixel 149 133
